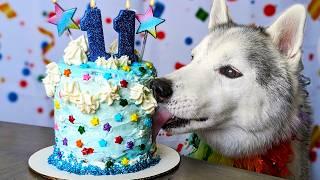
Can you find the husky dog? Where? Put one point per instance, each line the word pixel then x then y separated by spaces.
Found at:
pixel 241 92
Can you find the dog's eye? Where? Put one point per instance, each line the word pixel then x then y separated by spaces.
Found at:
pixel 192 57
pixel 230 72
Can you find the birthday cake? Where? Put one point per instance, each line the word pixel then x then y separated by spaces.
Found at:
pixel 102 104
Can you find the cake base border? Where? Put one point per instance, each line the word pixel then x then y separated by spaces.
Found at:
pixel 170 161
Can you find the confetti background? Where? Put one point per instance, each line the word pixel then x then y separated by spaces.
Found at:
pixel 28 43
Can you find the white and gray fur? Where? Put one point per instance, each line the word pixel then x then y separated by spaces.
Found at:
pixel 247 115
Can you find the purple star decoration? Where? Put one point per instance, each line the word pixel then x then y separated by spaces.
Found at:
pixel 65 141
pixel 107 127
pixel 130 145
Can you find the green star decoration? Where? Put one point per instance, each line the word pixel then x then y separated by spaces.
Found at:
pixel 81 130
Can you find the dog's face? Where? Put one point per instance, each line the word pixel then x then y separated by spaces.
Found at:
pixel 240 90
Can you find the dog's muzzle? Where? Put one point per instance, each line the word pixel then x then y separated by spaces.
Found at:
pixel 161 88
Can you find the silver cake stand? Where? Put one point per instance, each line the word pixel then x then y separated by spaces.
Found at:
pixel 170 160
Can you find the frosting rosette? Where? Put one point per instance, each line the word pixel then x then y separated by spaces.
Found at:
pixel 75 53
pixel 52 79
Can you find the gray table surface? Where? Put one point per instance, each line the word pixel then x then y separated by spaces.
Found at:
pixel 19 142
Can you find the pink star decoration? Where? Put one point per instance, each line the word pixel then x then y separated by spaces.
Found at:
pixel 86 77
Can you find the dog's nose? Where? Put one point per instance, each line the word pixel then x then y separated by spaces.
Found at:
pixel 162 89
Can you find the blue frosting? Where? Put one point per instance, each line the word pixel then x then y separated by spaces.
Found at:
pixel 92 138
pixel 73 166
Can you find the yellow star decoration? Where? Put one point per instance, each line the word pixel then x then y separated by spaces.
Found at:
pixel 134 117
pixel 149 65
pixel 56 104
pixel 95 121
pixel 126 68
pixel 125 161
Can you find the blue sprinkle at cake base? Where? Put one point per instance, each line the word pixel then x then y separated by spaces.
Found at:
pixel 72 166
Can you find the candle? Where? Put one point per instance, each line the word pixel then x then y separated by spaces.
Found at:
pixel 124 25
pixel 91 22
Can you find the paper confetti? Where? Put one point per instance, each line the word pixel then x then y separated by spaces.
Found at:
pixel 47 47
pixel 8 10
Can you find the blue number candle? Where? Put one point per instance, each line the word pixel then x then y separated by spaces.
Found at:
pixel 124 25
pixel 92 23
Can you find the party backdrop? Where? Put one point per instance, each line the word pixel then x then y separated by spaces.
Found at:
pixel 28 43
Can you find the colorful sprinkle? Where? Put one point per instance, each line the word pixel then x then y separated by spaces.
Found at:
pixel 107 127
pixel 56 104
pixel 95 121
pixel 142 147
pixel 125 161
pixel 148 122
pixel 130 145
pixel 71 119
pixel 103 143
pixel 79 143
pixel 67 72
pixel 124 83
pixel 142 70
pixel 126 68
pixel 149 65
pixel 118 140
pixel 118 117
pixel 81 130
pixel 86 77
pixel 87 151
pixel 109 164
pixel 134 117
pixel 107 76
pixel 123 102
pixel 65 142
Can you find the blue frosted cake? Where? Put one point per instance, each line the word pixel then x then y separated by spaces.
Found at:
pixel 103 113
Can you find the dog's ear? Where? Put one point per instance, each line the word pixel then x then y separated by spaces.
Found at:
pixel 219 13
pixel 287 32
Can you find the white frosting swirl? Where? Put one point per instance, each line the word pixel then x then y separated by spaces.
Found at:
pixel 124 61
pixel 52 79
pixel 71 92
pixel 88 104
pixel 75 52
pixel 112 63
pixel 109 94
pixel 143 96
pixel 149 104
pixel 101 62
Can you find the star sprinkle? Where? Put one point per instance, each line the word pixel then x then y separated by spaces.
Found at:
pixel 65 141
pixel 67 72
pixel 148 122
pixel 107 127
pixel 103 143
pixel 118 117
pixel 118 140
pixel 109 164
pixel 125 161
pixel 87 151
pixel 124 83
pixel 148 23
pixel 149 65
pixel 63 19
pixel 126 68
pixel 95 121
pixel 134 117
pixel 86 77
pixel 142 70
pixel 71 119
pixel 56 104
pixel 79 143
pixel 81 130
pixel 142 147
pixel 123 102
pixel 130 145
